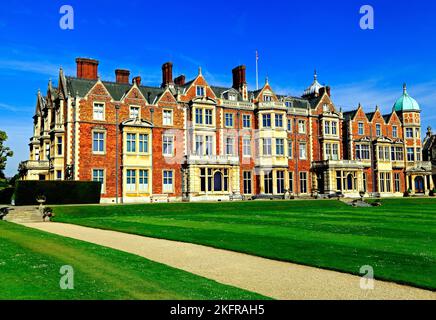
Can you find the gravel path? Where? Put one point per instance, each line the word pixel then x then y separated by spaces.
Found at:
pixel 279 280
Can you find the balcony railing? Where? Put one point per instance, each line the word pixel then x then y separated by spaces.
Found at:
pixel 214 159
pixel 271 105
pixel 339 163
pixel 36 165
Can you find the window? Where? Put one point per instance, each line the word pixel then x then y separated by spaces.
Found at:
pixel 409 133
pixel 167 117
pixel 167 181
pixel 267 147
pixel 98 175
pixel 325 107
pixel 199 116
pixel 289 125
pixel 417 133
pixel 378 130
pixel 247 182
pixel 335 151
pixel 301 126
pixel 388 182
pixel 418 154
pixel 280 147
pixel 98 111
pixel 131 181
pixel 291 181
pixel 327 127
pixel 280 182
pixel 47 151
pixel 58 174
pixel 338 180
pixel 279 121
pixel 288 104
pixel 209 145
pixel 362 152
pixel 410 154
pixel 303 182
pixel 199 145
pixel 334 128
pixel 59 148
pixel 143 143
pixel 232 97
pixel 268 182
pixel 246 146
pixel 266 120
pixel 387 154
pixel 382 182
pixel 365 188
pixel 360 129
pixel 208 116
pixel 328 151
pixel 98 144
pixel 267 98
pixel 131 142
pixel 134 112
pixel 290 151
pixel 143 180
pixel 168 146
pixel 229 145
pixel 229 120
pixel 200 91
pixel 394 131
pixel 303 150
pixel 246 121
pixel 399 154
pixel 397 184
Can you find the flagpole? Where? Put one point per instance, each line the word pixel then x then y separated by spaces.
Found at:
pixel 257 70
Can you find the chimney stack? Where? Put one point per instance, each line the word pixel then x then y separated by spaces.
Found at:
pixel 239 79
pixel 122 76
pixel 167 74
pixel 328 91
pixel 87 68
pixel 180 80
pixel 137 80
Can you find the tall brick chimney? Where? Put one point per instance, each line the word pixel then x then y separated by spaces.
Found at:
pixel 137 80
pixel 167 74
pixel 180 80
pixel 239 78
pixel 122 76
pixel 87 68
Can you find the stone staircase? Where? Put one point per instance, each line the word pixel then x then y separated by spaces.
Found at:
pixel 25 214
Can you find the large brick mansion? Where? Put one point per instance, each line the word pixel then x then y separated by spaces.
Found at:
pixel 195 141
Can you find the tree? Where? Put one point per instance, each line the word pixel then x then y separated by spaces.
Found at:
pixel 5 153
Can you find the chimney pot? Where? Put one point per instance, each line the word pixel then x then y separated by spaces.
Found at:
pixel 137 80
pixel 180 80
pixel 122 76
pixel 167 74
pixel 87 68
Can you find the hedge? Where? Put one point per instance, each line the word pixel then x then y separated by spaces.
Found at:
pixel 6 195
pixel 57 192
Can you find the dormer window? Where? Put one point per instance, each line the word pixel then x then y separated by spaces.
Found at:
pixel 200 91
pixel 232 97
pixel 325 107
pixel 288 104
pixel 267 98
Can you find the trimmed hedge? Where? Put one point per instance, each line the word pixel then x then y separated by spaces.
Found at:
pixel 57 192
pixel 6 195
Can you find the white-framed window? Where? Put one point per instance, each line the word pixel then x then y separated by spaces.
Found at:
pixel 58 174
pixel 168 145
pixel 229 145
pixel 397 153
pixel 208 117
pixel 200 91
pixel 167 117
pixel 267 149
pixel 280 179
pixel 209 145
pixel 131 142
pixel 134 112
pixel 302 126
pixel 303 182
pixel 98 175
pixel 279 120
pixel 168 181
pixel 143 180
pixel 246 146
pixel 267 98
pixel 417 133
pixel 362 152
pixel 247 178
pixel 394 131
pixel 143 143
pixel 266 120
pixel 229 119
pixel 325 107
pixel 409 133
pixel 290 149
pixel 130 180
pixel 289 125
pixel 360 129
pixel 418 154
pixel 291 181
pixel 397 183
pixel 326 127
pixel 246 121
pixel 199 116
pixel 280 147
pixel 410 154
pixel 98 142
pixel 59 146
pixel 199 145
pixel 334 128
pixel 378 131
pixel 98 111
pixel 303 150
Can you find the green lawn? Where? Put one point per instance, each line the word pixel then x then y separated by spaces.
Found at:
pixel 398 239
pixel 30 261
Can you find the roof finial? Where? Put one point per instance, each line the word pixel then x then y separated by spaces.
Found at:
pixel 199 71
pixel 315 75
pixel 266 79
pixel 404 88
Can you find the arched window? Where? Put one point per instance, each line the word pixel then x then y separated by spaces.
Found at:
pixel 350 181
pixel 218 181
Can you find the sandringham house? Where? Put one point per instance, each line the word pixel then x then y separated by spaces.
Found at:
pixel 193 141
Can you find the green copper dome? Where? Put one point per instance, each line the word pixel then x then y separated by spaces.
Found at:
pixel 406 102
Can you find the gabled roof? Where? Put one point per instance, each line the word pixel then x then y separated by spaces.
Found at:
pixel 349 115
pixel 219 92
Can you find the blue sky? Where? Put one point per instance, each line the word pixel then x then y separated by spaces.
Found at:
pixel 292 37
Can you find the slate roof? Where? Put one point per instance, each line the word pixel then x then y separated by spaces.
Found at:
pixel 348 115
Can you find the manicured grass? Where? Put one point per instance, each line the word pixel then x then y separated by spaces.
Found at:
pixel 398 239
pixel 30 262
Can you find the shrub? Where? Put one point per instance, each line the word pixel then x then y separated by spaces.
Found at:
pixel 432 192
pixel 57 192
pixel 6 195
